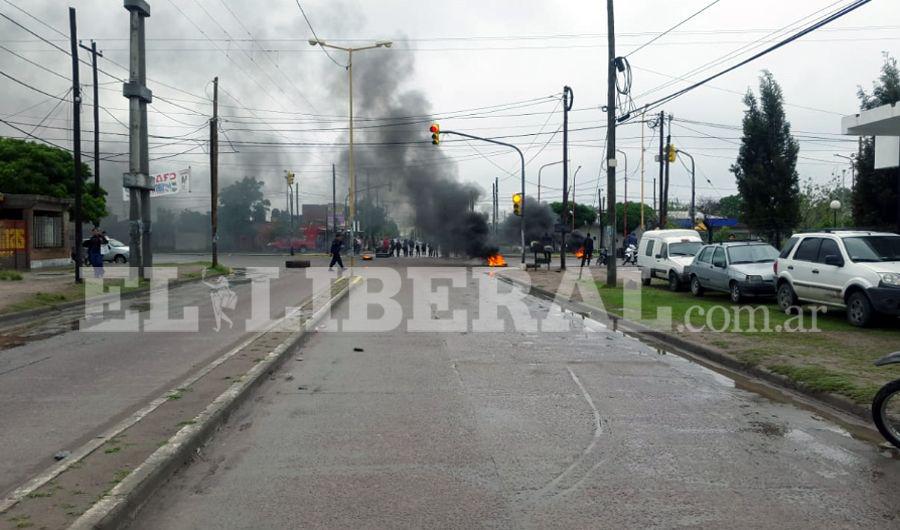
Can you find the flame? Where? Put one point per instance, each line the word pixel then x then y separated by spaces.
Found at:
pixel 496 261
pixel 367 257
pixel 580 252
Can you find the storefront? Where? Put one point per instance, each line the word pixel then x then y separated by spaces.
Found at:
pixel 34 232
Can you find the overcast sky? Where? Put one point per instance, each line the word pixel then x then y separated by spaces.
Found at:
pixel 464 55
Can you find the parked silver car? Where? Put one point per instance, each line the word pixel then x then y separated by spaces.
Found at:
pixel 738 268
pixel 118 252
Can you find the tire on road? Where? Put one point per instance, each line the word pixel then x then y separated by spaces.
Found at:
pixel 860 312
pixel 696 288
pixel 786 298
pixel 296 263
pixel 674 282
pixel 734 293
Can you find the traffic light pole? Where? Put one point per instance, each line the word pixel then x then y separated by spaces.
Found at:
pixel 693 186
pixel 522 159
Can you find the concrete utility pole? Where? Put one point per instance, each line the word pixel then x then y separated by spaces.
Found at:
pixel 625 205
pixel 214 174
pixel 94 55
pixel 660 214
pixel 568 101
pixel 643 151
pixel 611 139
pixel 138 180
pixel 76 141
pixel 664 200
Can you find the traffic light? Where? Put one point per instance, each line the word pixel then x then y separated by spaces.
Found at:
pixel 289 175
pixel 435 134
pixel 672 153
pixel 517 204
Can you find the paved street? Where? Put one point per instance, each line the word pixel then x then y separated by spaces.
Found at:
pixel 65 386
pixel 512 429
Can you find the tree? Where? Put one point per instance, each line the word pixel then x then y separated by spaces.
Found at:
pixel 766 166
pixel 634 217
pixel 39 169
pixel 875 192
pixel 730 206
pixel 584 214
pixel 241 206
pixel 815 204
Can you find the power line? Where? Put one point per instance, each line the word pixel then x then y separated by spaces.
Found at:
pixel 308 23
pixel 673 28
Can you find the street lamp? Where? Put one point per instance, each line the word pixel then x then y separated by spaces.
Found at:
pixel 539 176
pixel 852 159
pixel 378 44
pixel 835 206
pixel 573 196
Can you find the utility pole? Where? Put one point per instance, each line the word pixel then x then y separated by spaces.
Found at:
pixel 214 173
pixel 568 101
pixel 665 197
pixel 333 200
pixel 600 212
pixel 660 213
pixel 76 141
pixel 611 139
pixel 643 151
pixel 94 55
pixel 693 187
pixel 138 180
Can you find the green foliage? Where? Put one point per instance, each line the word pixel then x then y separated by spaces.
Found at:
pixel 584 214
pixel 634 217
pixel 815 204
pixel 766 167
pixel 10 276
pixel 375 221
pixel 875 194
pixel 730 206
pixel 241 206
pixel 34 168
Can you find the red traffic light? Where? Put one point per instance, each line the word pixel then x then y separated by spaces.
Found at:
pixel 435 128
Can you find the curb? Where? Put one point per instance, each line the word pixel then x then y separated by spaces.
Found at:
pixel 697 351
pixel 126 499
pixel 28 314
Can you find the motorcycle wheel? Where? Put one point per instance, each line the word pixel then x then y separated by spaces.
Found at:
pixel 886 412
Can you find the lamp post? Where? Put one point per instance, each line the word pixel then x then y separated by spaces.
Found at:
pixel 625 205
pixel 539 176
pixel 835 206
pixel 573 196
pixel 379 44
pixel 852 159
pixel 693 185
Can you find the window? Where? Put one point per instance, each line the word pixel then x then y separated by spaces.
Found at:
pixel 788 247
pixel 662 251
pixel 873 248
pixel 719 257
pixel 649 251
pixel 685 248
pixel 808 249
pixel 829 248
pixel 48 230
pixel 706 255
pixel 752 254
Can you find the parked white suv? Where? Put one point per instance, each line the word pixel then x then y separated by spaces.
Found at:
pixel 855 270
pixel 665 253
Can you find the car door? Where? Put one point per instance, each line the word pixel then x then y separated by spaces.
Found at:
pixel 648 257
pixel 702 264
pixel 829 279
pixel 660 257
pixel 718 277
pixel 801 269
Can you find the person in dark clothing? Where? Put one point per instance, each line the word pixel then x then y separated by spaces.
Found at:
pixel 588 250
pixel 547 241
pixel 336 253
pixel 94 247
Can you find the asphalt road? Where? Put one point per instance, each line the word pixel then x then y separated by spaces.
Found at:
pixel 64 386
pixel 513 429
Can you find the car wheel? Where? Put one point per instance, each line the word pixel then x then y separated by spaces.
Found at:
pixel 696 288
pixel 674 283
pixel 120 258
pixel 860 312
pixel 734 292
pixel 786 297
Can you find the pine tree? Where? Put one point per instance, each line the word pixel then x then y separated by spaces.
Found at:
pixel 766 167
pixel 875 192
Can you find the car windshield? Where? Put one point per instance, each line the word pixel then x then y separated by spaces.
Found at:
pixel 752 254
pixel 873 248
pixel 689 248
pixel 115 242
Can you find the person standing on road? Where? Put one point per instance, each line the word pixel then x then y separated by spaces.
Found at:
pixel 547 242
pixel 336 253
pixel 94 247
pixel 588 250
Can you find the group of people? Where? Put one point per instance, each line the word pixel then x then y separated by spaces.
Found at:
pixel 408 248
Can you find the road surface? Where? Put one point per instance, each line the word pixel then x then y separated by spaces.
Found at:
pixel 513 429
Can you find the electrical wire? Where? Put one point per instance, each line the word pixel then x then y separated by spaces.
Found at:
pixel 308 23
pixel 673 28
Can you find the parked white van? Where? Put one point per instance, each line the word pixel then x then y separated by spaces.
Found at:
pixel 665 253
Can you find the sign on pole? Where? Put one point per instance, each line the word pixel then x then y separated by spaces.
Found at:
pixel 170 183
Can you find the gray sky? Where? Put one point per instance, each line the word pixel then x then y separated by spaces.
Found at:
pixel 465 55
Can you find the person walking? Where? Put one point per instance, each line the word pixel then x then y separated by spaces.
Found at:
pixel 588 250
pixel 336 253
pixel 94 247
